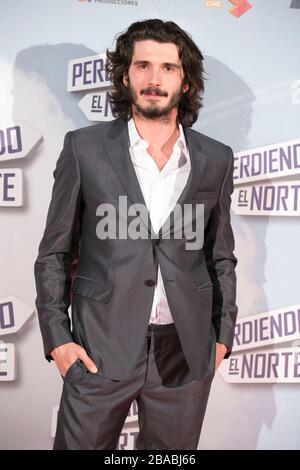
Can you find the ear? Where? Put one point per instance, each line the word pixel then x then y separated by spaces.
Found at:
pixel 186 87
pixel 125 79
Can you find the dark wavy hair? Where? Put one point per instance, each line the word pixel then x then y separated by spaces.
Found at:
pixel 118 63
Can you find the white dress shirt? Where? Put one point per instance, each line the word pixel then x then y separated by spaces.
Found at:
pixel 161 191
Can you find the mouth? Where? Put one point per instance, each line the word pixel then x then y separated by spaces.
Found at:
pixel 152 96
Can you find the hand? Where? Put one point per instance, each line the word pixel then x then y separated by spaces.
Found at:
pixel 66 354
pixel 221 350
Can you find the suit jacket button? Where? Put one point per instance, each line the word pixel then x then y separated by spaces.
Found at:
pixel 149 283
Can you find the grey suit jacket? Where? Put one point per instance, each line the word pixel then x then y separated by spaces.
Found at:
pixel 112 290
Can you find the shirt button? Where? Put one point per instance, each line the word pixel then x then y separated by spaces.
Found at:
pixel 149 283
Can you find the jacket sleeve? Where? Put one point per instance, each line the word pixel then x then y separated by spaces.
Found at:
pixel 57 250
pixel 221 262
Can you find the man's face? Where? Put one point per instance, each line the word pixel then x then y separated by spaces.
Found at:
pixel 155 78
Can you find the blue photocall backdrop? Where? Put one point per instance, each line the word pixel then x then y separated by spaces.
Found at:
pixel 252 103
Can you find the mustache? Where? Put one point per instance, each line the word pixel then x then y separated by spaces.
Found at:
pixel 156 91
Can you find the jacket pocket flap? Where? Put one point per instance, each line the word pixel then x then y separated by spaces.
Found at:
pixel 205 285
pixel 96 290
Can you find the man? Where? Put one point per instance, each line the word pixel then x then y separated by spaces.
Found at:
pixel 152 317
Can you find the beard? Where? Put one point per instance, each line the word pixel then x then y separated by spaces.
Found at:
pixel 153 110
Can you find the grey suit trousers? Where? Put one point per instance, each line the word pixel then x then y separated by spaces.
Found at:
pixel 171 403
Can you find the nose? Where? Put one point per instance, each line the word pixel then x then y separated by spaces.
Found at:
pixel 154 78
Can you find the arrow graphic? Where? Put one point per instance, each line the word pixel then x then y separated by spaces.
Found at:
pixel 240 7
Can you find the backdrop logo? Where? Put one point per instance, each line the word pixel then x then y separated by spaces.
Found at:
pixel 88 72
pixel 133 3
pixel 249 363
pixel 17 140
pixel 214 3
pixel 97 106
pixel 11 193
pixel 7 362
pixel 270 162
pixel 277 198
pixel 14 314
pixel 240 7
pixel 267 328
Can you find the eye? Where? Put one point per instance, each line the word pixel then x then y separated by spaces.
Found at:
pixel 142 66
pixel 169 68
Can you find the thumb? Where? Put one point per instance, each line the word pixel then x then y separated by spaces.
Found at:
pixel 89 364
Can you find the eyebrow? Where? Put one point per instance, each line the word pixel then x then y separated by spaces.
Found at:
pixel 171 64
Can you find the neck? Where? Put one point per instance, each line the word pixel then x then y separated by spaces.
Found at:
pixel 157 131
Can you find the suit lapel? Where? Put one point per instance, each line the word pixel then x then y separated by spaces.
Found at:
pixel 118 152
pixel 198 164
